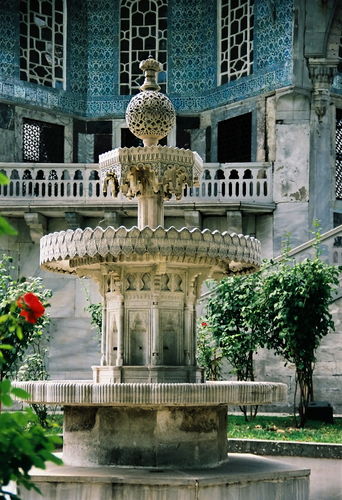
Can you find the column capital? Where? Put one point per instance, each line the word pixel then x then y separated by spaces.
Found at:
pixel 322 72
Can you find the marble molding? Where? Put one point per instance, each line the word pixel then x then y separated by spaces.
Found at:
pixel 65 250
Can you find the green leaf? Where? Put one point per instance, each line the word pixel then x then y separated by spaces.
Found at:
pixel 6 400
pixel 6 228
pixel 3 179
pixel 6 346
pixel 5 385
pixel 19 332
pixel 20 393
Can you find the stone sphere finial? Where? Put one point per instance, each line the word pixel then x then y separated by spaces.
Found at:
pixel 150 115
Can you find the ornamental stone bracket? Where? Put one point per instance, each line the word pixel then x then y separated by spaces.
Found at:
pixel 322 73
pixel 37 224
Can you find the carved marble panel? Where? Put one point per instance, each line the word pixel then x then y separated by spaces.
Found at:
pixel 171 337
pixel 138 337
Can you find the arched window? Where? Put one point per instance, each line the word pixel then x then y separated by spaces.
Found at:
pixel 236 39
pixel 143 32
pixel 43 42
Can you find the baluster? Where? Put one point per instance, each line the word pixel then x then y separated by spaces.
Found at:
pixel 203 189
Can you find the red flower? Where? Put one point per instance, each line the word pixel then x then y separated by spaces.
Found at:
pixel 32 308
pixel 204 323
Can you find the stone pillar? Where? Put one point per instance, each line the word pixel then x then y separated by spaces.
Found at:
pixel 150 211
pixel 120 328
pixel 234 221
pixel 37 224
pixel 322 72
pixel 193 219
pixel 155 331
pixel 187 330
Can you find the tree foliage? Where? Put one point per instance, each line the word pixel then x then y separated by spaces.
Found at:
pixel 209 354
pixel 23 444
pixel 294 317
pixel 284 307
pixel 228 318
pixel 14 330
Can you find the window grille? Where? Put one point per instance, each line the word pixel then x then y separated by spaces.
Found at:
pixel 143 32
pixel 42 42
pixel 236 39
pixel 43 142
pixel 338 147
pixel 234 141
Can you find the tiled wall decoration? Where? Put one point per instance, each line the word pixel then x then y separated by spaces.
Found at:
pixel 93 32
pixel 192 47
pixel 9 39
pixel 273 41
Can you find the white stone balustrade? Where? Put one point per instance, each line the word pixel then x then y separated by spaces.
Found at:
pixel 75 183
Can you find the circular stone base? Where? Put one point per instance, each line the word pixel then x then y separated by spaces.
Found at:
pixel 154 436
pixel 244 477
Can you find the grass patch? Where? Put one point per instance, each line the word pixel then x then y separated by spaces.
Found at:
pixel 283 429
pixel 56 420
pixel 264 427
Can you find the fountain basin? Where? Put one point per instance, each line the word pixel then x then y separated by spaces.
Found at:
pixel 149 425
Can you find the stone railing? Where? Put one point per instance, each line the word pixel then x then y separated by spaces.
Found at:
pixel 74 183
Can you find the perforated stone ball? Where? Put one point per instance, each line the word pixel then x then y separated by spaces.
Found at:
pixel 150 114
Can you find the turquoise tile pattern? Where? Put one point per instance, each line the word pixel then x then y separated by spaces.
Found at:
pixel 93 58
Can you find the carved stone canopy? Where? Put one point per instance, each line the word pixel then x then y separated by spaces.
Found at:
pixel 154 170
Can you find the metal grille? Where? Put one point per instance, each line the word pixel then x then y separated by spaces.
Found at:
pixel 43 142
pixel 42 42
pixel 143 32
pixel 338 147
pixel 236 50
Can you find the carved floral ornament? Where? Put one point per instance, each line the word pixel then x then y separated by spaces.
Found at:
pixel 57 249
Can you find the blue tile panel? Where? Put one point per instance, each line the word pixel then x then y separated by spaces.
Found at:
pixel 337 85
pixel 93 58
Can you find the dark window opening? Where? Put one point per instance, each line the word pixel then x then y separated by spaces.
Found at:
pixel 102 144
pixel 208 144
pixel 235 139
pixel 129 140
pixel 184 125
pixel 43 142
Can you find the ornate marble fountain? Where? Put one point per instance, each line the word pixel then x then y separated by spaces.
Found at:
pixel 148 407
